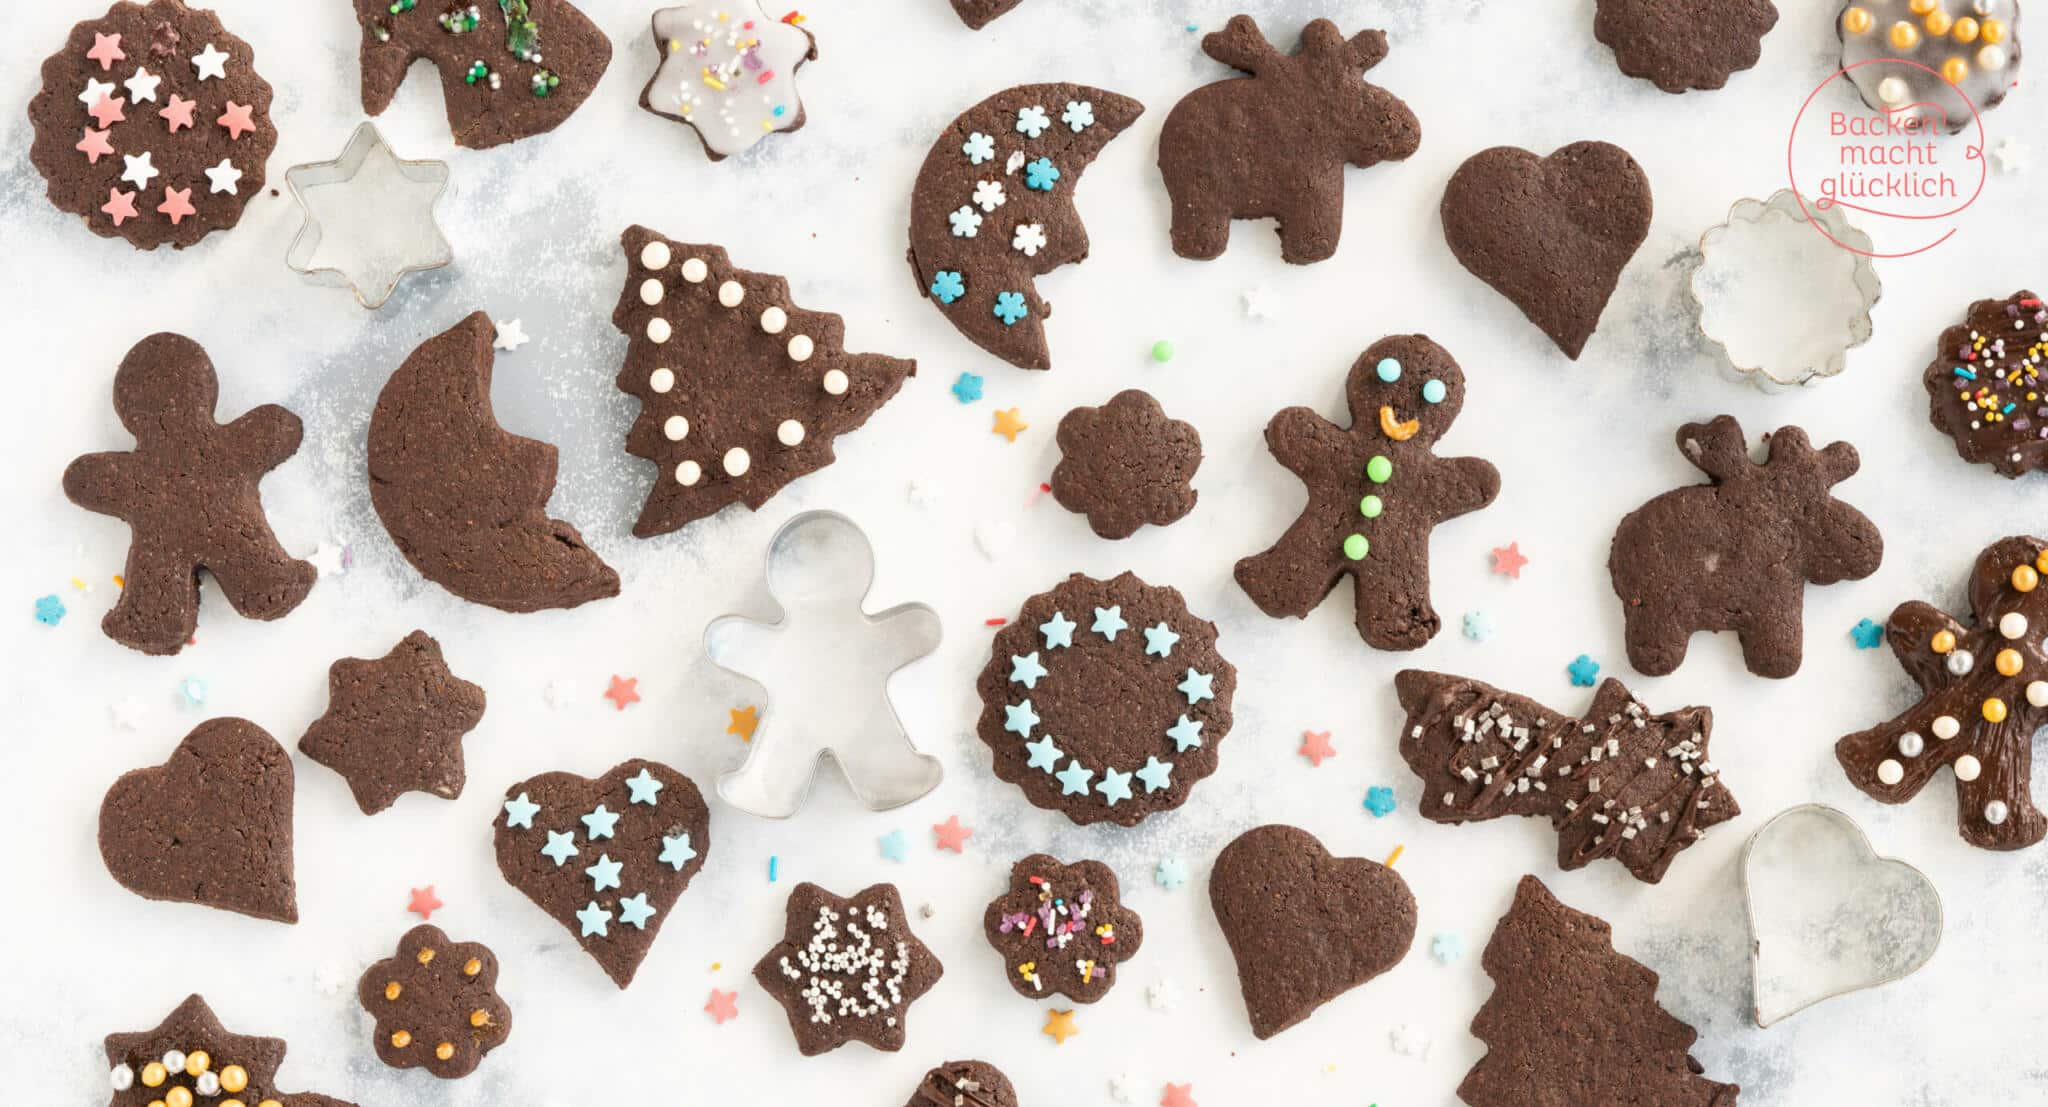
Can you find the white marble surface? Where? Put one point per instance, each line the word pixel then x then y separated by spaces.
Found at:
pixel 534 227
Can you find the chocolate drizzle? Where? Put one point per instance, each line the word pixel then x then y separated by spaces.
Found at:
pixel 1984 386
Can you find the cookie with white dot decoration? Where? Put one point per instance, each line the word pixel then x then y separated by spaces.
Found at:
pixel 435 1003
pixel 153 125
pixel 740 390
pixel 847 968
pixel 191 1060
pixel 729 72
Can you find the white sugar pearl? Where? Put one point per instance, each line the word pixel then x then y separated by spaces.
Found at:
pixel 2037 693
pixel 1992 58
pixel 658 330
pixel 655 255
pixel 694 270
pixel 2012 624
pixel 661 380
pixel 174 1060
pixel 1968 768
pixel 836 382
pixel 207 1084
pixel 1961 662
pixel 1890 771
pixel 790 433
pixel 1945 727
pixel 121 1077
pixel 689 473
pixel 651 292
pixel 801 348
pixel 1911 744
pixel 1893 90
pixel 730 294
pixel 736 462
pixel 774 319
pixel 1995 812
pixel 676 428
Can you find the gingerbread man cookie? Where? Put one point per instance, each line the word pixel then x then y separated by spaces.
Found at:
pixel 1062 929
pixel 436 1004
pixel 188 494
pixel 1984 386
pixel 1375 491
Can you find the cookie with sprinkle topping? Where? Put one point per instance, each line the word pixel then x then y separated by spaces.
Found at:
pixel 1062 929
pixel 847 969
pixel 435 1003
pixel 728 72
pixel 191 1058
pixel 1985 388
pixel 509 70
pixel 964 1084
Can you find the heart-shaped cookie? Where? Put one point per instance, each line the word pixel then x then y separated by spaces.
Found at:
pixel 212 825
pixel 606 857
pixel 1551 234
pixel 1828 916
pixel 1305 927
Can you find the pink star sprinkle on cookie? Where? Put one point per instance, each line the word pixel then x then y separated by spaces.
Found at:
pixel 1315 745
pixel 1508 560
pixel 178 113
pixel 722 1006
pixel 108 111
pixel 238 118
pixel 120 205
pixel 94 145
pixel 425 902
pixel 951 834
pixel 177 204
pixel 106 50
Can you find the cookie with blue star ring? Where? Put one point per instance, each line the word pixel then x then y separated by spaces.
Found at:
pixel 1106 700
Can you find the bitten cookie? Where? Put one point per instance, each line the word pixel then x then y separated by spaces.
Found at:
pixel 1062 929
pixel 728 72
pixel 1305 927
pixel 993 209
pixel 964 1084
pixel 1125 464
pixel 395 725
pixel 1983 694
pixel 1617 782
pixel 1684 44
pixel 847 969
pixel 190 1058
pixel 1552 234
pixel 153 124
pixel 1106 700
pixel 1375 491
pixel 1275 145
pixel 435 1003
pixel 1573 1021
pixel 577 847
pixel 1984 386
pixel 212 825
pixel 1736 553
pixel 741 391
pixel 508 70
pixel 188 494
pixel 464 499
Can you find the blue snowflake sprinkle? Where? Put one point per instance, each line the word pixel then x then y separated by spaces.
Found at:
pixel 1171 873
pixel 978 148
pixel 1478 626
pixel 1868 635
pixel 1447 947
pixel 948 285
pixel 1010 307
pixel 1584 670
pixel 49 610
pixel 967 389
pixel 1040 175
pixel 194 690
pixel 1379 800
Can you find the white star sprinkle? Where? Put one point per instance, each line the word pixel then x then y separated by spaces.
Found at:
pixel 1257 304
pixel 2011 154
pixel 139 170
pixel 326 558
pixel 224 178
pixel 210 63
pixel 1410 1040
pixel 126 713
pixel 554 693
pixel 94 89
pixel 142 86
pixel 1163 995
pixel 1123 1087
pixel 511 335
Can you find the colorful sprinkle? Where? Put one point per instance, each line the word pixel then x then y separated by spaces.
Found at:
pixel 967 389
pixel 49 610
pixel 424 902
pixel 1171 872
pixel 1315 745
pixel 1508 560
pixel 951 835
pixel 1447 947
pixel 895 845
pixel 1009 305
pixel 1379 799
pixel 1478 626
pixel 1584 670
pixel 623 691
pixel 1041 175
pixel 744 720
pixel 948 285
pixel 1867 635
pixel 1009 424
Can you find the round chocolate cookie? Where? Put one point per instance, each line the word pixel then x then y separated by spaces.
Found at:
pixel 435 1003
pixel 964 1084
pixel 1062 929
pixel 1984 385
pixel 1684 44
pixel 152 124
pixel 1126 464
pixel 1106 700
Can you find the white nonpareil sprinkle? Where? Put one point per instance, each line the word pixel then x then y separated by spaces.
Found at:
pixel 846 971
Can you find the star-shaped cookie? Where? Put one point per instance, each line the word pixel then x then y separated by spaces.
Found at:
pixel 209 1061
pixel 847 968
pixel 395 724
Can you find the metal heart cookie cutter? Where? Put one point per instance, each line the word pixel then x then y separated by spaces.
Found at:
pixel 1776 300
pixel 369 218
pixel 1829 916
pixel 821 648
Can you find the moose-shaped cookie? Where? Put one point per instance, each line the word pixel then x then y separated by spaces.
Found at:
pixel 1736 553
pixel 1275 146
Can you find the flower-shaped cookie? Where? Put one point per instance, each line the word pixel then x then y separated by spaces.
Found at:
pixel 1126 464
pixel 1062 929
pixel 436 1004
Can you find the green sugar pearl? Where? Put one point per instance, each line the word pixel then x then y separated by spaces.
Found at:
pixel 1379 470
pixel 1162 351
pixel 1355 547
pixel 1370 507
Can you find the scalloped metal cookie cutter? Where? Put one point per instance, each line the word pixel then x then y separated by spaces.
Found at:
pixel 369 218
pixel 1829 915
pixel 819 568
pixel 1780 304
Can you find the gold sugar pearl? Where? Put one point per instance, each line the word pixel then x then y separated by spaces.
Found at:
pixel 2024 578
pixel 178 1097
pixel 153 1074
pixel 426 956
pixel 197 1062
pixel 1953 71
pixel 1856 21
pixel 1965 30
pixel 1992 30
pixel 156 1103
pixel 1920 7
pixel 1994 710
pixel 2009 662
pixel 472 967
pixel 1944 641
pixel 479 1018
pixel 444 1051
pixel 265 1103
pixel 2041 561
pixel 237 1102
pixel 233 1079
pixel 1904 35
pixel 401 1039
pixel 1938 22
pixel 393 990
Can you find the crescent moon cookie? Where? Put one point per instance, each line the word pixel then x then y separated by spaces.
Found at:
pixel 994 208
pixel 464 499
pixel 1966 52
pixel 1106 700
pixel 509 69
pixel 729 72
pixel 153 125
pixel 1984 386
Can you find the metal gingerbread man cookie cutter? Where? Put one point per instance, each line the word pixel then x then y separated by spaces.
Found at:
pixel 822 647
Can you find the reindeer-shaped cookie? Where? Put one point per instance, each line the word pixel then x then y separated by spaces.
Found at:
pixel 1275 146
pixel 1736 553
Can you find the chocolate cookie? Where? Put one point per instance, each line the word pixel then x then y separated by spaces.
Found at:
pixel 1984 385
pixel 502 78
pixel 980 13
pixel 1573 1021
pixel 1551 234
pixel 963 1084
pixel 1983 694
pixel 212 825
pixel 466 500
pixel 395 725
pixel 1126 464
pixel 1129 675
pixel 1062 929
pixel 728 71
pixel 1736 553
pixel 641 828
pixel 152 124
pixel 994 208
pixel 191 1058
pixel 1375 491
pixel 1932 68
pixel 435 1003
pixel 188 494
pixel 1684 44
pixel 740 390
pixel 1275 146
pixel 1305 927
pixel 1617 782
pixel 847 969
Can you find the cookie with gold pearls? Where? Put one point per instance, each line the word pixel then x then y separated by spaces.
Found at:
pixel 1941 61
pixel 436 1004
pixel 191 1060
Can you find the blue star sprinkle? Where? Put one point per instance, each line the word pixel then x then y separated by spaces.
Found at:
pixel 560 848
pixel 49 610
pixel 1447 947
pixel 1478 626
pixel 1073 779
pixel 968 388
pixel 1115 786
pixel 1584 670
pixel 519 811
pixel 1868 635
pixel 1044 755
pixel 604 874
pixel 1108 621
pixel 1026 670
pixel 599 823
pixel 1186 734
pixel 1058 631
pixel 1160 640
pixel 1156 774
pixel 1020 718
pixel 596 920
pixel 1379 799
pixel 676 852
pixel 1171 873
pixel 644 788
pixel 1198 687
pixel 634 911
pixel 894 845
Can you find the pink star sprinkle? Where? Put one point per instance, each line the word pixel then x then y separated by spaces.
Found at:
pixel 94 145
pixel 120 205
pixel 722 1006
pixel 177 204
pixel 1315 745
pixel 237 119
pixel 178 112
pixel 425 902
pixel 108 111
pixel 1508 560
pixel 1179 1095
pixel 106 50
pixel 951 834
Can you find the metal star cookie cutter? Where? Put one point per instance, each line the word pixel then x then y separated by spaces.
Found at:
pixel 823 642
pixel 1780 304
pixel 369 218
pixel 1829 915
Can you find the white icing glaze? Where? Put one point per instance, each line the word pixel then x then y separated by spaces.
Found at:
pixel 729 70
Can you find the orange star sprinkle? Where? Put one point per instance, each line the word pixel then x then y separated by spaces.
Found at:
pixel 744 720
pixel 425 902
pixel 1009 424
pixel 951 834
pixel 1059 1025
pixel 1315 745
pixel 1508 560
pixel 624 690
